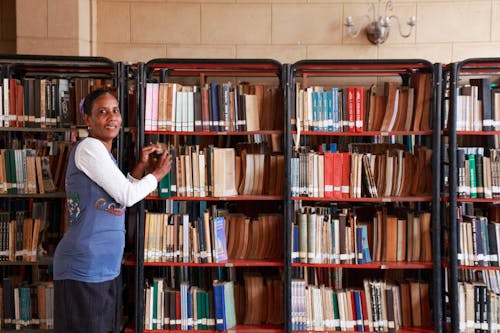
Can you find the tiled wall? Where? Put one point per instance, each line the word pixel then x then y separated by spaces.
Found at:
pixel 286 30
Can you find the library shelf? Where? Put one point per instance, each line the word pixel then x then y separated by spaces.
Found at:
pixel 231 198
pixel 212 133
pixel 401 330
pixel 236 329
pixel 494 201
pixel 228 263
pixel 41 261
pixel 366 133
pixel 373 265
pixel 52 195
pixel 380 199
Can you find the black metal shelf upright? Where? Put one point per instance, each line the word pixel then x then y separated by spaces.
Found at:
pixel 307 70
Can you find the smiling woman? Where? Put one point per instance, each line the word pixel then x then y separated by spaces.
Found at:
pixel 102 117
pixel 87 259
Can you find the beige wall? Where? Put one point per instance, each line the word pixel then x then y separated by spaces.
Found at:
pixel 8 26
pixel 286 30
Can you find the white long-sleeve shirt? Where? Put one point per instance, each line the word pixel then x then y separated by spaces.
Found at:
pixel 92 158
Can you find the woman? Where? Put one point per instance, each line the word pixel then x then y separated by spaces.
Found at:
pixel 87 259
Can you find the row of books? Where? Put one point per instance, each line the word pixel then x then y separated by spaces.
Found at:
pixel 26 305
pixel 24 171
pixel 35 102
pixel 19 237
pixel 190 307
pixel 357 109
pixel 351 238
pixel 213 107
pixel 377 170
pixel 380 306
pixel 213 171
pixel 174 238
pixel 478 174
pixel 479 308
pixel 478 106
pixel 255 301
pixel 478 241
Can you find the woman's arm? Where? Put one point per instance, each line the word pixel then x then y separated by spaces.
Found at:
pixel 92 158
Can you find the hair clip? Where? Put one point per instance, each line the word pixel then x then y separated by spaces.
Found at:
pixel 80 106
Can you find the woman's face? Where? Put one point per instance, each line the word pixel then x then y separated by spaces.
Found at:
pixel 105 120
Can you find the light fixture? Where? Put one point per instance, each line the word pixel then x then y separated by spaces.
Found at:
pixel 379 26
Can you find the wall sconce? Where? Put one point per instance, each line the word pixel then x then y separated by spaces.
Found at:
pixel 379 26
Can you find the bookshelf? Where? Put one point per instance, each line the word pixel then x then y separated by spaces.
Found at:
pixel 39 120
pixel 471 133
pixel 337 108
pixel 227 113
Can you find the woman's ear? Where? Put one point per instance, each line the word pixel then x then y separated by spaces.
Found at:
pixel 86 120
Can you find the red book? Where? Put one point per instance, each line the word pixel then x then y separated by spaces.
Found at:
pixel 328 168
pixel 365 310
pixel 351 108
pixel 21 117
pixel 12 105
pixel 337 174
pixel 353 309
pixel 360 108
pixel 346 174
pixel 205 110
pixel 177 310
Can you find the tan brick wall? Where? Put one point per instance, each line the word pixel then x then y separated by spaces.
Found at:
pixel 58 27
pixel 286 30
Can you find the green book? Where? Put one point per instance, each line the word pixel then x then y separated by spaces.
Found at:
pixel 164 186
pixel 155 303
pixel 230 314
pixel 336 315
pixel 472 175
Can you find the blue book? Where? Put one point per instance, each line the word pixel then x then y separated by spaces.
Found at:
pixel 214 106
pixel 324 111
pixel 25 301
pixel 315 110
pixel 335 109
pixel 201 236
pixel 220 324
pixel 189 296
pixel 359 311
pixel 295 250
pixel 329 110
pixel 363 246
pixel 184 305
pixel 219 225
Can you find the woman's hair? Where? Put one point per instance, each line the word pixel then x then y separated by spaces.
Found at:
pixel 89 100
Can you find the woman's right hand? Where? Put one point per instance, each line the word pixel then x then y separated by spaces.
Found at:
pixel 163 165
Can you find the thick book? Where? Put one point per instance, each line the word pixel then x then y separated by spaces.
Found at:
pixel 485 100
pixel 224 182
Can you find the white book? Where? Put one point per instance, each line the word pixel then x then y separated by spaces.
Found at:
pixel 6 110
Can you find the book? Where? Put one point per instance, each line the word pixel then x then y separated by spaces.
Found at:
pixel 224 183
pixel 220 242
